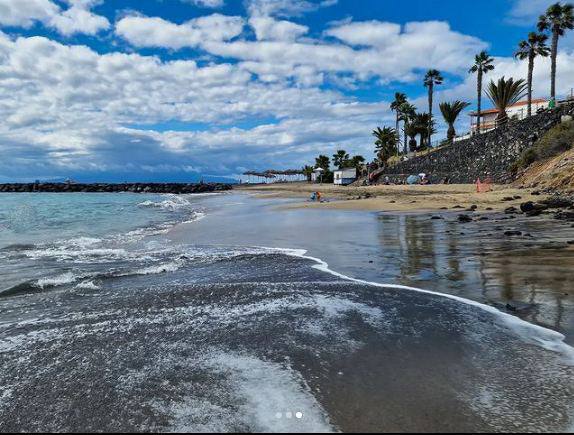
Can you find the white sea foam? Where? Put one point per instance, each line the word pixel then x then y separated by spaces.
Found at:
pixel 87 285
pixel 66 278
pixel 174 203
pixel 534 334
pixel 270 393
pixel 66 253
pixel 159 268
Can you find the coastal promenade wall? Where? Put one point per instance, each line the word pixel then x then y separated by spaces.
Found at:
pixel 488 155
pixel 176 188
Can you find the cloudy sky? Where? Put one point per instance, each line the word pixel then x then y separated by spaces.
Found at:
pixel 157 90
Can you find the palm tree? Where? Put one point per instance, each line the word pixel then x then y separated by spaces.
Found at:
pixel 407 113
pixel 340 159
pixel 400 99
pixel 322 162
pixel 432 78
pixel 386 143
pixel 308 172
pixel 482 65
pixel 558 19
pixel 505 93
pixel 424 124
pixel 356 161
pixel 534 46
pixel 412 130
pixel 450 112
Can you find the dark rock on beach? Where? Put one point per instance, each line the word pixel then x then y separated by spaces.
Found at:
pixel 565 216
pixel 557 202
pixel 512 233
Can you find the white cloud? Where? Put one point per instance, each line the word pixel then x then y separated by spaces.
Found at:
pixel 420 46
pixel 208 3
pixel 78 18
pixel 526 12
pixel 24 13
pixel 286 8
pixel 157 32
pixel 368 33
pixel 267 28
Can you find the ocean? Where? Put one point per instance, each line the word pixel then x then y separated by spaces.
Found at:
pixel 225 312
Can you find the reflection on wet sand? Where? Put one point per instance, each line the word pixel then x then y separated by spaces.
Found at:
pixel 529 276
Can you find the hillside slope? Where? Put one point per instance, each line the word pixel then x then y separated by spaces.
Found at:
pixel 556 173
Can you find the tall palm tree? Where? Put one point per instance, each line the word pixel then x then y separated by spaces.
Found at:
pixel 407 113
pixel 340 159
pixel 432 78
pixel 450 112
pixel 386 143
pixel 505 93
pixel 558 19
pixel 529 49
pixel 400 99
pixel 482 65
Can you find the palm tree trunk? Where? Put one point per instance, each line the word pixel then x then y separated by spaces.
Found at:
pixel 451 133
pixel 397 127
pixel 479 90
pixel 530 73
pixel 430 113
pixel 555 37
pixel 406 145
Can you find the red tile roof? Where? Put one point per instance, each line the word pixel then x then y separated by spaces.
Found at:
pixel 520 103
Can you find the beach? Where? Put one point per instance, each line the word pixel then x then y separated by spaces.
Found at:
pixel 397 198
pixel 241 311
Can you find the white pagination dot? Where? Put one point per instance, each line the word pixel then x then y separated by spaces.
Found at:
pixel 289 415
pixel 279 415
pixel 299 415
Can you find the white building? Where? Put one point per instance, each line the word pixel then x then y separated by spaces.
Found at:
pixel 345 176
pixel 516 111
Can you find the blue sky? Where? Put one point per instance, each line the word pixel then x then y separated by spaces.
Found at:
pixel 179 90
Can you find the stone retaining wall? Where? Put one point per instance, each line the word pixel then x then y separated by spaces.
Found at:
pixel 488 155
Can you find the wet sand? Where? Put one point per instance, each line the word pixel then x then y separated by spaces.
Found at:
pixel 528 275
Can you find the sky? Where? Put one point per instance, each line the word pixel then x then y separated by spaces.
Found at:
pixel 182 90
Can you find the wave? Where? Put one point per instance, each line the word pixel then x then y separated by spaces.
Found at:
pixel 174 203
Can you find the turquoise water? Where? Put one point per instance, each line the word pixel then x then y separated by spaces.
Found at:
pixel 31 218
pixel 48 240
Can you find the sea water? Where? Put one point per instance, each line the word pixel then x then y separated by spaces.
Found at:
pixel 115 316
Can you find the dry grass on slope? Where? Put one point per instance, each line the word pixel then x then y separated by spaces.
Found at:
pixel 556 173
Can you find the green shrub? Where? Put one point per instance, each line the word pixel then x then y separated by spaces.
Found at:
pixel 556 141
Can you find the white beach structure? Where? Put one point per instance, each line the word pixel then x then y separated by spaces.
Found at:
pixel 316 176
pixel 345 176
